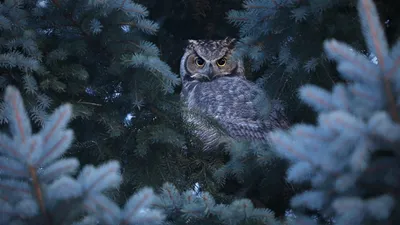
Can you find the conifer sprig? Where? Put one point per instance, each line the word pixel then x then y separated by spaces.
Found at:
pixel 191 205
pixel 357 121
pixel 37 182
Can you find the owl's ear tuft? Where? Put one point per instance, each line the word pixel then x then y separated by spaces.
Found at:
pixel 190 43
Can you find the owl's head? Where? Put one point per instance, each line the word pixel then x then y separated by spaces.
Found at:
pixel 206 60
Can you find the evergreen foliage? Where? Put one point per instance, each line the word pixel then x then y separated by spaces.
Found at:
pixel 280 39
pixel 38 187
pixel 190 207
pixel 38 184
pixel 357 136
pixel 94 54
pixel 107 58
pixel 100 57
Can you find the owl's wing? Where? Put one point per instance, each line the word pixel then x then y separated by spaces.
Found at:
pixel 238 106
pixel 243 109
pixel 257 128
pixel 277 117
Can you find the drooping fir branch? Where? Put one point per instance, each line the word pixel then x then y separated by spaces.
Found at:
pixel 38 185
pixel 348 155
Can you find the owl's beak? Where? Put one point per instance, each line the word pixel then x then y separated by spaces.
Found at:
pixel 208 74
pixel 200 76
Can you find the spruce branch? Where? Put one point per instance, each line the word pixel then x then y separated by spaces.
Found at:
pixel 357 122
pixel 68 15
pixel 378 45
pixel 34 175
pixel 88 103
pixel 38 192
pixel 392 102
pixel 122 4
pixel 203 206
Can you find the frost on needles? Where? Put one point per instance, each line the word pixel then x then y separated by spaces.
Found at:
pixel 351 156
pixel 37 186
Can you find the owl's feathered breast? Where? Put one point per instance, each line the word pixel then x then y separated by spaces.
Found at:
pixel 235 103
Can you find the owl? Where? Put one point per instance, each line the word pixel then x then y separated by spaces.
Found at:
pixel 218 99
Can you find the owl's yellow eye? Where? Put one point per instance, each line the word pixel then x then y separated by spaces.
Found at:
pixel 199 61
pixel 221 61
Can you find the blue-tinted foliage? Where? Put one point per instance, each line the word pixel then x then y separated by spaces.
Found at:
pixel 190 205
pixel 38 185
pixel 357 121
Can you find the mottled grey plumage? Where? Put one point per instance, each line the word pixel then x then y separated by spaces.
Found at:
pixel 221 92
